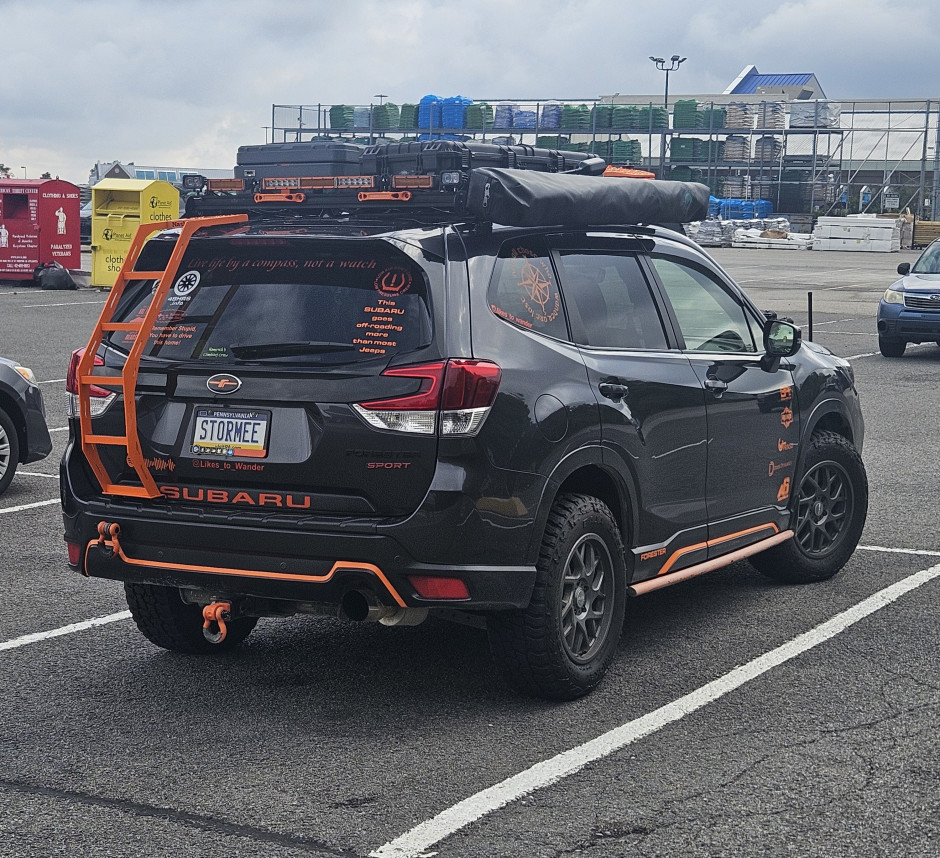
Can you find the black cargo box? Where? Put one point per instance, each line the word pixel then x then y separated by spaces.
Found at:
pixel 530 198
pixel 314 158
pixel 432 157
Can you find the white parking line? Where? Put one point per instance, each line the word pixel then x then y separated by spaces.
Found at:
pixel 419 839
pixel 15 643
pixel 34 474
pixel 920 552
pixel 832 322
pixel 64 304
pixel 875 354
pixel 28 506
pixel 414 843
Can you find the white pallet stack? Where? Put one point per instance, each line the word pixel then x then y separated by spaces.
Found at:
pixel 860 232
pixel 757 239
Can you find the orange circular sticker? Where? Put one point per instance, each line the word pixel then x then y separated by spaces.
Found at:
pixel 393 281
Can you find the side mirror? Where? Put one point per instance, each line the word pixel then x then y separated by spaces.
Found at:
pixel 904 268
pixel 781 340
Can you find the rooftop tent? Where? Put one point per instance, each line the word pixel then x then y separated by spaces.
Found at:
pixel 529 198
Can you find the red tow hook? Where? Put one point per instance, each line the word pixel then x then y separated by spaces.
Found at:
pixel 215 617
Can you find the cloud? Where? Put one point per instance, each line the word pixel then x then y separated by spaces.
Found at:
pixel 186 83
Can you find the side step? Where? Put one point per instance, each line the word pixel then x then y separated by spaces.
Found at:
pixel 651 584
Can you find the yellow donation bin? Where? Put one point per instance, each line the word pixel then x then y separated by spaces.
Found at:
pixel 118 208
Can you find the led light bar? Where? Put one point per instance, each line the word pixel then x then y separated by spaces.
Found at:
pixel 316 183
pixel 225 184
pixel 412 182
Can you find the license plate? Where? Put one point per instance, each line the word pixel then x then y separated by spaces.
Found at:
pixel 224 432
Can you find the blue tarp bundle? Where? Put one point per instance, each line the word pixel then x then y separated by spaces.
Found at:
pixel 731 209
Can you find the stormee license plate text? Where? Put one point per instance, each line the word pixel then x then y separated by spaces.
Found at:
pixel 230 433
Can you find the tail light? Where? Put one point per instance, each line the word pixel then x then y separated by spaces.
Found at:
pixel 454 397
pixel 99 397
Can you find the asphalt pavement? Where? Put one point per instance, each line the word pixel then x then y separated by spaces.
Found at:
pixel 740 717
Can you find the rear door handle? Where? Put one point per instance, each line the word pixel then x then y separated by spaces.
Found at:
pixel 716 386
pixel 615 391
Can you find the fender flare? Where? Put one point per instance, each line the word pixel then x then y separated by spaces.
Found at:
pixel 584 457
pixel 820 411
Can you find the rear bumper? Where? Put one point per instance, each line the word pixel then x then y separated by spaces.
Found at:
pixel 278 564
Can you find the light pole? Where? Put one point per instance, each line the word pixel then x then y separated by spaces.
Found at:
pixel 24 171
pixel 675 61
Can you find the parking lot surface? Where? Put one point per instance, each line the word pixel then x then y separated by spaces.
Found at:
pixel 740 717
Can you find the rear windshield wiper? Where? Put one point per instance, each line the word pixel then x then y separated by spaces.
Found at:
pixel 263 350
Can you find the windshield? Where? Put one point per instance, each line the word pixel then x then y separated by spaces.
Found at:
pixel 301 301
pixel 929 260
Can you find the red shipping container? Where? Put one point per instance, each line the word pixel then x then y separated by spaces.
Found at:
pixel 38 224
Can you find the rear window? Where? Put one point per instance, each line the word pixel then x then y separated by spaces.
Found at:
pixel 274 299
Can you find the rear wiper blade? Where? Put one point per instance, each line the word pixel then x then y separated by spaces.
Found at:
pixel 262 350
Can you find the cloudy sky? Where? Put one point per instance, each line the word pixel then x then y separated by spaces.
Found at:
pixel 186 82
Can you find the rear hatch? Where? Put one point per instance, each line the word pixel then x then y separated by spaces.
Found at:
pixel 264 346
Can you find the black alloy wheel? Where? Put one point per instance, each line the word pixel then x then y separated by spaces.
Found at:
pixel 829 512
pixel 560 646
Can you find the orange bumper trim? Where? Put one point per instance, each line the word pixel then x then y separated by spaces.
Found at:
pixel 108 537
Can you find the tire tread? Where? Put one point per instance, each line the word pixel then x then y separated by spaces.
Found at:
pixel 167 621
pixel 522 641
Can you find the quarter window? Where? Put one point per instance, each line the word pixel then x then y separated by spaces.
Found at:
pixel 524 290
pixel 710 318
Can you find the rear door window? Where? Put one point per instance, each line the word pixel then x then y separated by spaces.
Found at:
pixel 247 299
pixel 610 295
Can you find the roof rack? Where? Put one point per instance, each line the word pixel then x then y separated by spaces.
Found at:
pixel 423 181
pixel 439 181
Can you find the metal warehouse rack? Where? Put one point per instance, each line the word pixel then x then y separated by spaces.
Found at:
pixel 883 155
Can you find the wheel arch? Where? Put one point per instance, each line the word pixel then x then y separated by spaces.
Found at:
pixel 583 472
pixel 10 407
pixel 828 416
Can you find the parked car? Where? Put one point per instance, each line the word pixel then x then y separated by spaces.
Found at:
pixel 909 310
pixel 370 418
pixel 24 436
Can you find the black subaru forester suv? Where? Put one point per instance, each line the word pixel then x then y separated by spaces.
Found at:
pixel 359 418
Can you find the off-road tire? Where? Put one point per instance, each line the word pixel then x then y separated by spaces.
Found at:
pixel 829 510
pixel 166 620
pixel 561 645
pixel 9 450
pixel 890 347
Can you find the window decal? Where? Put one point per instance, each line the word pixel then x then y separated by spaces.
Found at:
pixel 539 296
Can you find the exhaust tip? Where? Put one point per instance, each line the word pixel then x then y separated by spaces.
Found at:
pixel 355 606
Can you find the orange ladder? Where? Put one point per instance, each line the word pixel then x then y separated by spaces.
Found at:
pixel 127 380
